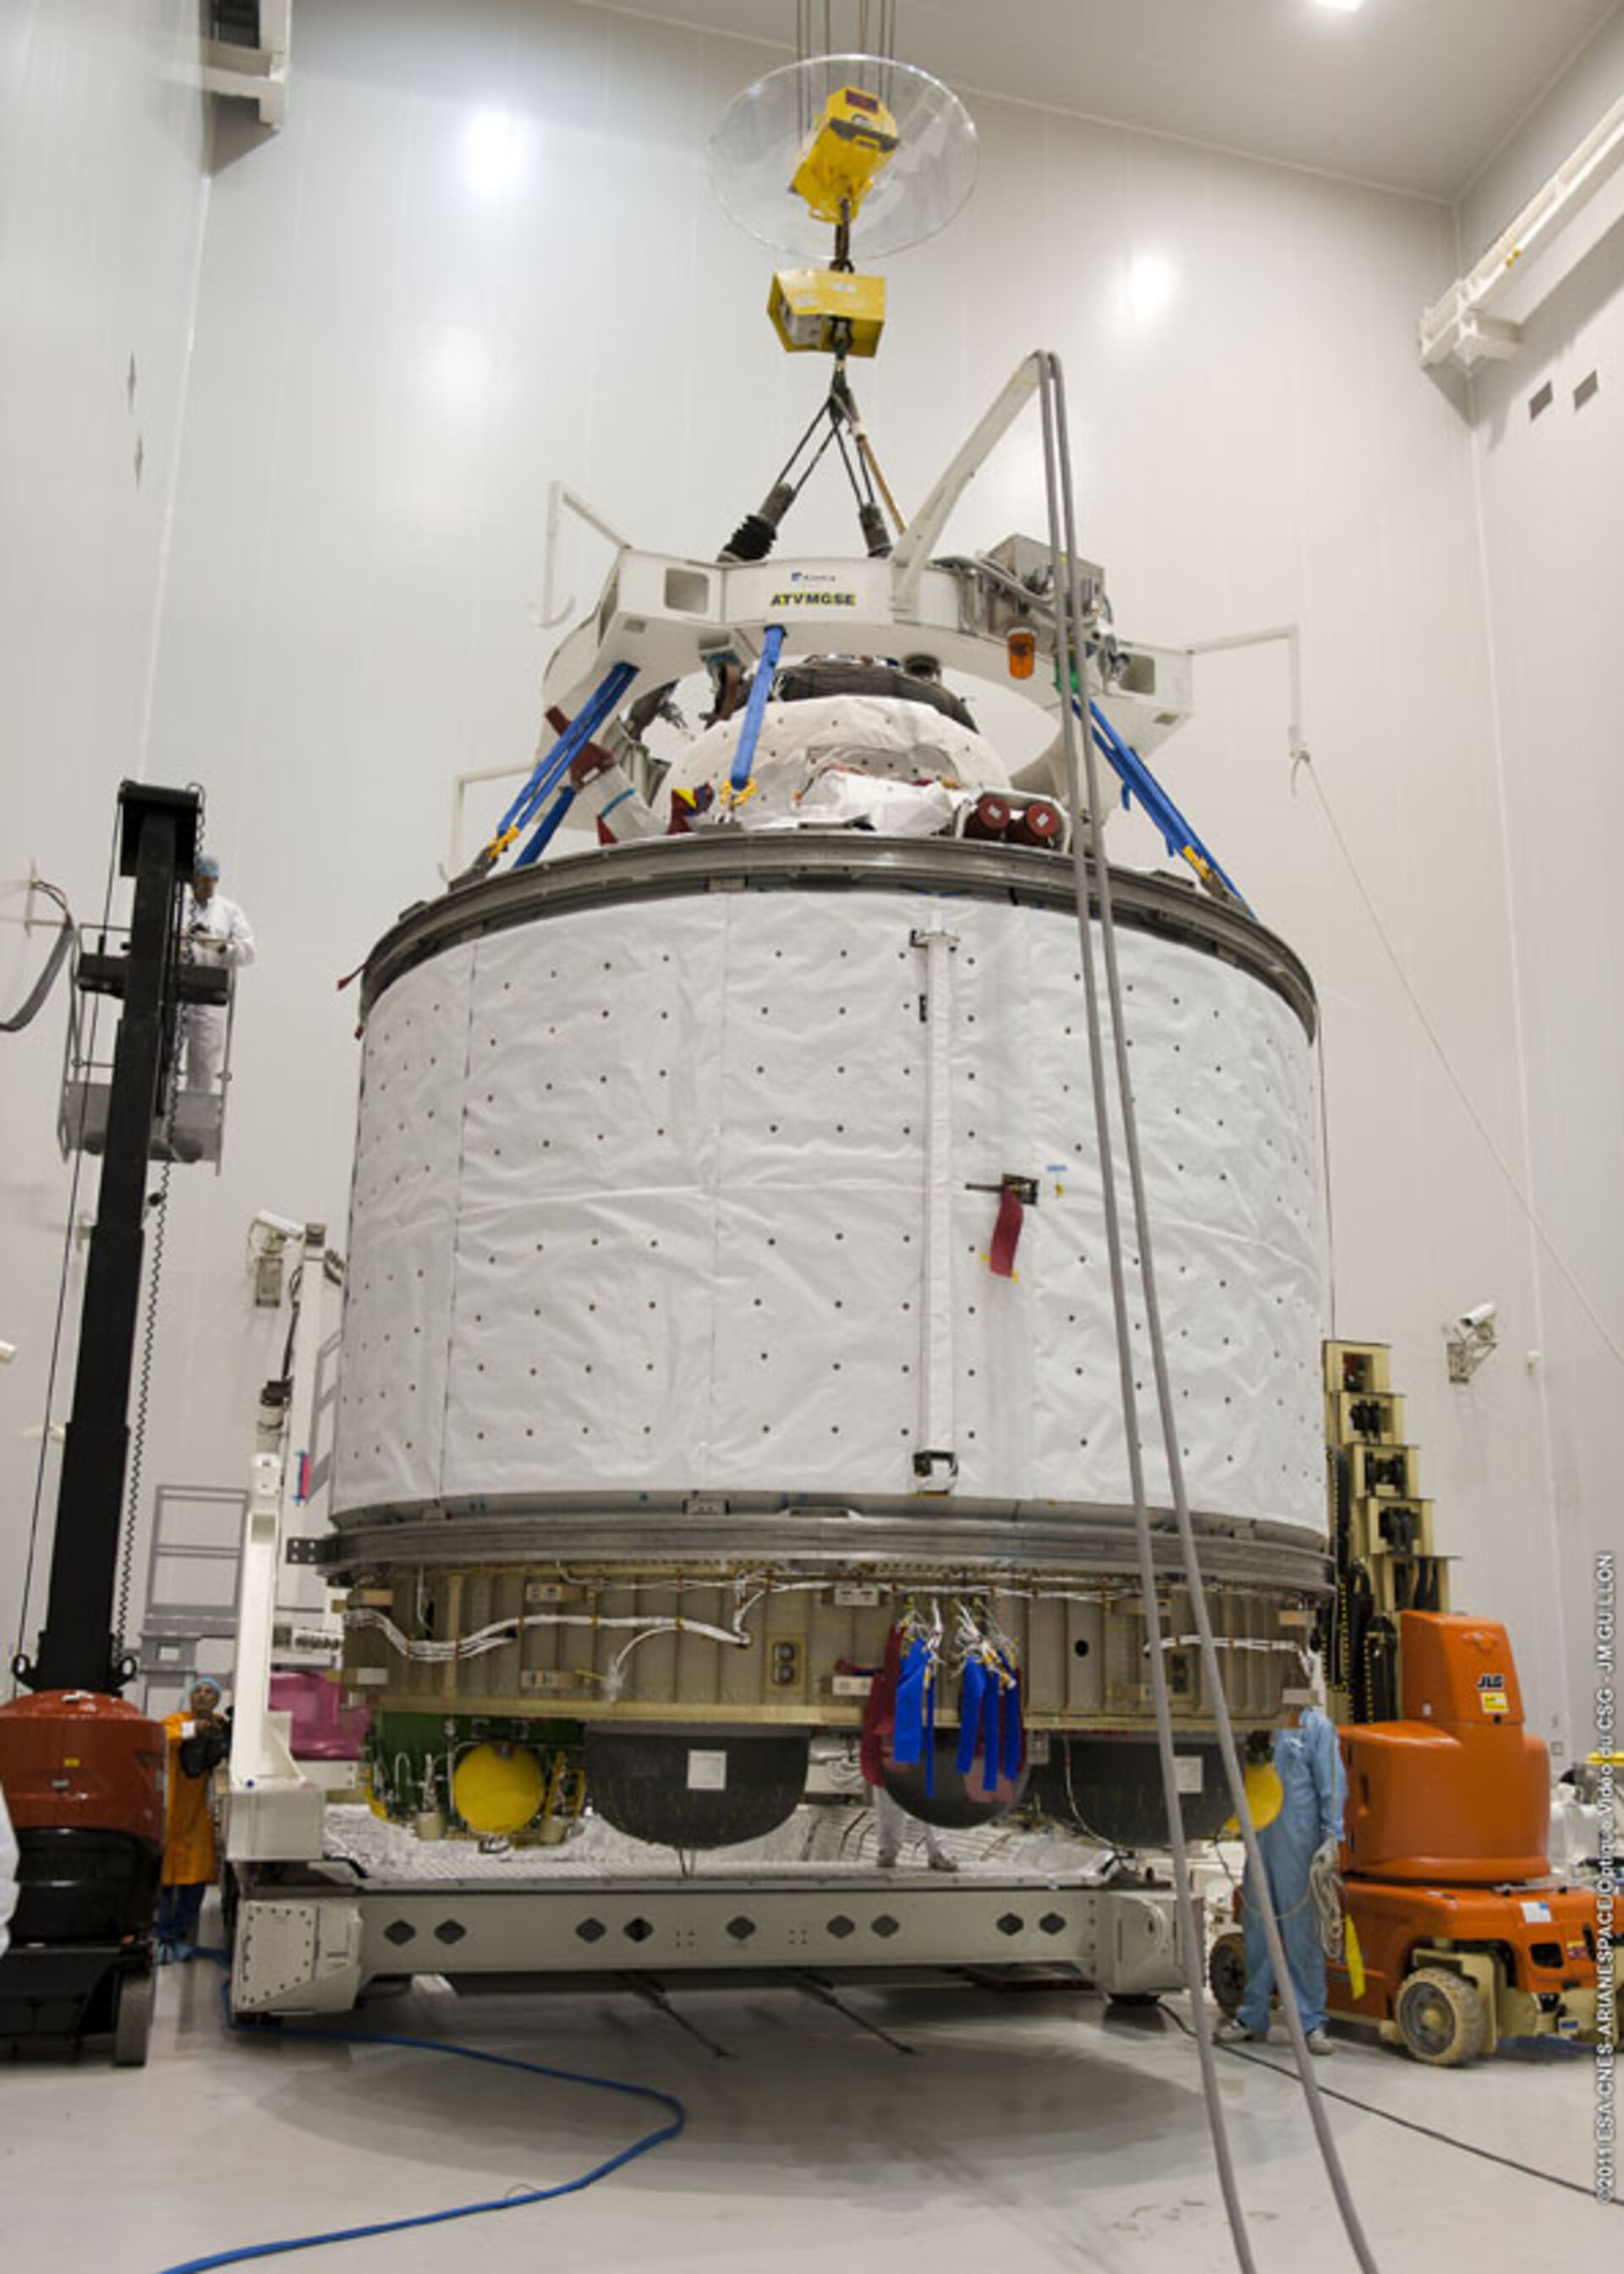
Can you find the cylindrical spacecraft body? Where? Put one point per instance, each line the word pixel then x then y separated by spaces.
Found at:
pixel 727 1267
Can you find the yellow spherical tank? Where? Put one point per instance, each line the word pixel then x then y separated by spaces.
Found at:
pixel 498 1789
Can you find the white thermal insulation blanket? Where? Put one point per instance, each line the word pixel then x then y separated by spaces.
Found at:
pixel 640 1194
pixel 800 744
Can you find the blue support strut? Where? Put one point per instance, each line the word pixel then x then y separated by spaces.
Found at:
pixel 761 688
pixel 1138 782
pixel 552 768
pixel 548 831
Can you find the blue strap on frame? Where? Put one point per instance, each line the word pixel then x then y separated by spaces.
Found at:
pixel 1014 1728
pixel 909 1741
pixel 971 1688
pixel 992 1726
pixel 761 688
pixel 550 771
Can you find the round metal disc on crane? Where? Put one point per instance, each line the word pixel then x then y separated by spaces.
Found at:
pixel 765 136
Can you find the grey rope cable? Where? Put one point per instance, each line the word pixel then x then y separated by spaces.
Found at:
pixel 62 947
pixel 138 1426
pixel 1406 2123
pixel 1211 1669
pixel 1069 641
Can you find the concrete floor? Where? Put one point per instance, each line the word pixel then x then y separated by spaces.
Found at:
pixel 1018 2132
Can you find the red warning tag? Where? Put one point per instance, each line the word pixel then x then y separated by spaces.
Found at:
pixel 1006 1233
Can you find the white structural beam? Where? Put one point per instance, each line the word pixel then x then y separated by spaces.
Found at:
pixel 1458 328
pixel 919 538
pixel 310 1945
pixel 256 75
pixel 272 1810
pixel 665 614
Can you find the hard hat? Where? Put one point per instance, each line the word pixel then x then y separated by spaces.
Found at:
pixel 1265 1795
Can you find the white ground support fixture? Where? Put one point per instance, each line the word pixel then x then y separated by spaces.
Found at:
pixel 247 58
pixel 1458 328
pixel 725 1247
pixel 273 1810
pixel 728 1308
pixel 310 1942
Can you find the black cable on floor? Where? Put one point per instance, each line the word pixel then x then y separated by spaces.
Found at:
pixel 1467 2148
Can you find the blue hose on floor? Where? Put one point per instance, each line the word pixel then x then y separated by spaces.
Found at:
pixel 247 2251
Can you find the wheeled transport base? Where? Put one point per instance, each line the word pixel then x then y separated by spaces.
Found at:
pixel 310 1941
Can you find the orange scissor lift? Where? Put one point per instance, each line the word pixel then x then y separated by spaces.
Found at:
pixel 1464 1936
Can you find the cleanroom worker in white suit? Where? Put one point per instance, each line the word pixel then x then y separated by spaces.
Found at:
pixel 214 930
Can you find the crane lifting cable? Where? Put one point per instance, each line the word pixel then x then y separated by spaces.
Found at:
pixel 1092 881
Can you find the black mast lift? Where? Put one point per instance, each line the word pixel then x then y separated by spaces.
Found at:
pixel 77 1648
pixel 81 1769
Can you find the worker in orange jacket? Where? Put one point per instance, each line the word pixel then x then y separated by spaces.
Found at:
pixel 198 1740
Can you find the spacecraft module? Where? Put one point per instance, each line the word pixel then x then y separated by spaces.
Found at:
pixel 730 1350
pixel 727 1282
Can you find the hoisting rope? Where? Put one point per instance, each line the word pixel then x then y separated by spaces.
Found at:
pixel 837 414
pixel 1093 883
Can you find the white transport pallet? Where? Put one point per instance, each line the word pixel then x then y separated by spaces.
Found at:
pixel 312 1946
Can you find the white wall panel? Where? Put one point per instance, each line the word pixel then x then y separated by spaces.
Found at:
pixel 403 335
pixel 1585 91
pixel 1551 487
pixel 102 133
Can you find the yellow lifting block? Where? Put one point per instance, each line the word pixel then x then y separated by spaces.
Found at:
pixel 807 303
pixel 853 141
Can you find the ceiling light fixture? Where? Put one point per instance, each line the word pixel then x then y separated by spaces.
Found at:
pixel 1342 7
pixel 495 154
pixel 1149 287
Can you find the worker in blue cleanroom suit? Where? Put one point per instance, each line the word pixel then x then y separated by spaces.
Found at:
pixel 1314 1784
